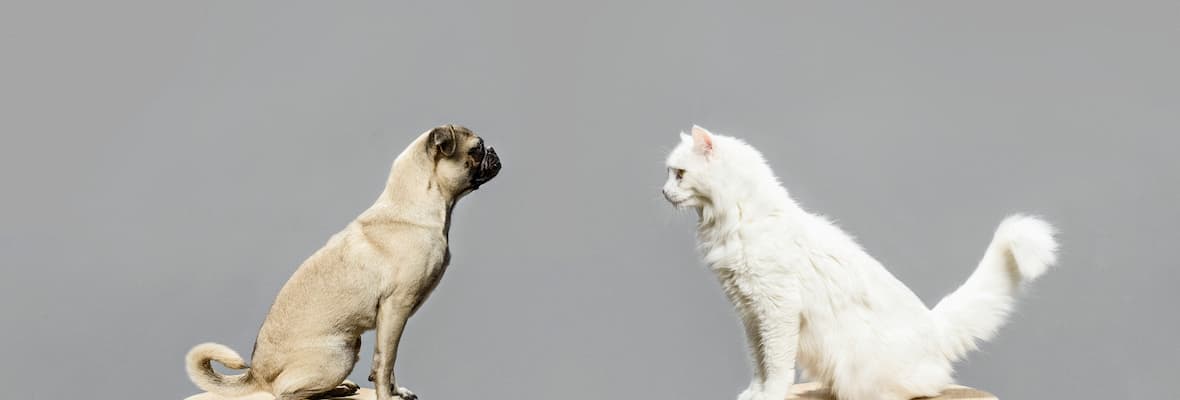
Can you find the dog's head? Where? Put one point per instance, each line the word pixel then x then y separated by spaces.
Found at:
pixel 462 162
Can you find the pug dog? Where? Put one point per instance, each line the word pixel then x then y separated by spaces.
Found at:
pixel 372 275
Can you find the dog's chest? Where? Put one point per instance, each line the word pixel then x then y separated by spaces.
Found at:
pixel 438 266
pixel 431 276
pixel 434 263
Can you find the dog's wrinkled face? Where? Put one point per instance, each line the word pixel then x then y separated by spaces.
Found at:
pixel 462 162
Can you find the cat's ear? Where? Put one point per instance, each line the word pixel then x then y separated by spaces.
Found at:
pixel 685 138
pixel 702 141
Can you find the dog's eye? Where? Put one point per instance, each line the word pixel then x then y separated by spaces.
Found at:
pixel 679 173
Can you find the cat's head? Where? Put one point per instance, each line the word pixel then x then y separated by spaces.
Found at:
pixel 704 166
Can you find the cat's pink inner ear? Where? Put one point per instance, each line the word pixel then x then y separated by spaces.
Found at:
pixel 702 140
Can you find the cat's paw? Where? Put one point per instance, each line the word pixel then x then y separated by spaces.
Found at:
pixel 749 394
pixel 773 393
pixel 405 394
pixel 754 392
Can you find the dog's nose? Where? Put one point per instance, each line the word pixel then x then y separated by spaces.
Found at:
pixel 495 159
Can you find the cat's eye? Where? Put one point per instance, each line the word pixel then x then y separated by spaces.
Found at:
pixel 679 173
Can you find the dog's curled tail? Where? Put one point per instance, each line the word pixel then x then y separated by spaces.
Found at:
pixel 1022 250
pixel 200 370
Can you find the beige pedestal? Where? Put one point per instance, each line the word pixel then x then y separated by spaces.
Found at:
pixel 363 394
pixel 813 391
pixel 802 391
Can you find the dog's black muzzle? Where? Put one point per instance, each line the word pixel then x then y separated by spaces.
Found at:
pixel 487 168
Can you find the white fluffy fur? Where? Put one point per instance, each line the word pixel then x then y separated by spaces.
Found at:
pixel 807 292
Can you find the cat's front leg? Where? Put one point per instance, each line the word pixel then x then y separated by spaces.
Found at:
pixel 754 341
pixel 778 322
pixel 742 303
pixel 780 341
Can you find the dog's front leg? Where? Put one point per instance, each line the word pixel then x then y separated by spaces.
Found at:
pixel 391 321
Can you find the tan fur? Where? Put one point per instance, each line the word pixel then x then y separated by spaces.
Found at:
pixel 372 275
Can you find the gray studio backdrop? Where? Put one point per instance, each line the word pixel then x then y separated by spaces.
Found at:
pixel 166 166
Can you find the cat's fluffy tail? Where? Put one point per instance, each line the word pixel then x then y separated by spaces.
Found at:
pixel 1022 249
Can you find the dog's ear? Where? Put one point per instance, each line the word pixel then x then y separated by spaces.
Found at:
pixel 444 140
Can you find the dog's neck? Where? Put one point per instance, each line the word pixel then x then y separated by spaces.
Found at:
pixel 411 196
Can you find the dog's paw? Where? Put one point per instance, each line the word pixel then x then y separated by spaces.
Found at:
pixel 344 389
pixel 405 394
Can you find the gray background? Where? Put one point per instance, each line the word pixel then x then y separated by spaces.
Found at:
pixel 167 166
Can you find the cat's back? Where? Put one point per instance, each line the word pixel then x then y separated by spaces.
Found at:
pixel 803 232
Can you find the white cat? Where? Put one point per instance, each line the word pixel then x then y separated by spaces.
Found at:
pixel 806 291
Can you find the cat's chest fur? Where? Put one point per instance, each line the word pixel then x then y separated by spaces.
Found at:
pixel 748 254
